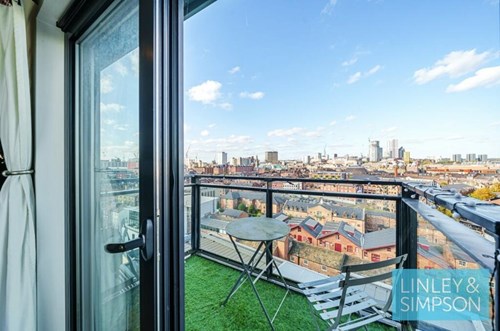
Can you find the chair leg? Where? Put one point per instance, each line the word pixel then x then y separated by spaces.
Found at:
pixel 313 313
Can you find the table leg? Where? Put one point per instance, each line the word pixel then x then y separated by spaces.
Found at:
pixel 248 273
pixel 247 268
pixel 267 247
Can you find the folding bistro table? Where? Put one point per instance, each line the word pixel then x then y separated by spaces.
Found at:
pixel 263 230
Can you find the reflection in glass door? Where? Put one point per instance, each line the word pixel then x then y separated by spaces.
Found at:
pixel 108 170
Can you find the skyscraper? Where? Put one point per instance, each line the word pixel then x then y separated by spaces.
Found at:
pixel 375 151
pixel 401 152
pixel 271 157
pixel 221 158
pixel 483 157
pixel 392 148
pixel 457 158
pixel 471 157
pixel 407 157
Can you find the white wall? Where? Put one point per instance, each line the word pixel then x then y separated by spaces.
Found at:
pixel 49 167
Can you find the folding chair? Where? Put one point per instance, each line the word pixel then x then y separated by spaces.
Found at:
pixel 345 294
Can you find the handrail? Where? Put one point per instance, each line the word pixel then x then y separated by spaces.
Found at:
pixel 484 214
pixel 305 180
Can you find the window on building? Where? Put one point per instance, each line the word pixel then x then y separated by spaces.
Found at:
pixel 305 262
pixel 324 268
pixel 292 258
pixel 462 263
pixel 309 240
pixel 375 257
pixel 349 248
pixel 365 254
pixel 388 249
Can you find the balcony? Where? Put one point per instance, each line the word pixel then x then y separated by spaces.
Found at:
pixel 205 292
pixel 400 217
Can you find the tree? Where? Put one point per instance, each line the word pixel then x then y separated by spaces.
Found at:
pixel 242 207
pixel 252 210
pixel 483 194
pixel 445 211
pixel 495 187
pixel 443 183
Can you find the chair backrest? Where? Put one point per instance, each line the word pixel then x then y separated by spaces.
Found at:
pixel 350 281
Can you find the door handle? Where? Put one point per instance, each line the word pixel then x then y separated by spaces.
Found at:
pixel 145 241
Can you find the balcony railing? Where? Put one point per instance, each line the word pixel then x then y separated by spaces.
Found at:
pixel 429 237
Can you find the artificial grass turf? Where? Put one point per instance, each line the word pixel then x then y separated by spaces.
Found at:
pixel 207 285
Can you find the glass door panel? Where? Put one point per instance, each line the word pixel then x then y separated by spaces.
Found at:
pixel 109 161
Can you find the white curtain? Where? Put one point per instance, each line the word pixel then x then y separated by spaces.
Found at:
pixel 17 234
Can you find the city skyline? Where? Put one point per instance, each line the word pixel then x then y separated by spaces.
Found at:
pixel 325 75
pixel 338 74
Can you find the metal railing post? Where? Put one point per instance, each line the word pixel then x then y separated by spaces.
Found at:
pixel 269 213
pixel 195 213
pixel 497 283
pixel 406 238
pixel 406 229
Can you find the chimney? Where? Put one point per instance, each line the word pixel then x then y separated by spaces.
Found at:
pixel 283 247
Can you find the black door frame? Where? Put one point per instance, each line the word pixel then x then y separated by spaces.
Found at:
pixel 161 170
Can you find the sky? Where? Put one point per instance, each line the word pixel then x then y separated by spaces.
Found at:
pixel 301 77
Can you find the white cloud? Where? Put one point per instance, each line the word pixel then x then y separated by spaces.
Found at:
pixel 234 70
pixel 497 123
pixel 252 95
pixel 312 134
pixel 358 75
pixel 484 77
pixel 391 129
pixel 134 60
pixel 111 107
pixel 284 132
pixel 204 133
pixel 108 122
pixel 350 118
pixel 226 106
pixel 328 9
pixel 373 70
pixel 354 78
pixel 206 93
pixel 187 127
pixel 211 126
pixel 454 138
pixel 120 68
pixel 106 84
pixel 454 64
pixel 350 62
pixel 120 127
pixel 212 145
pixel 129 149
pixel 333 123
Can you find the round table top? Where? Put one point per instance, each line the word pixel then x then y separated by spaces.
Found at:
pixel 257 229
